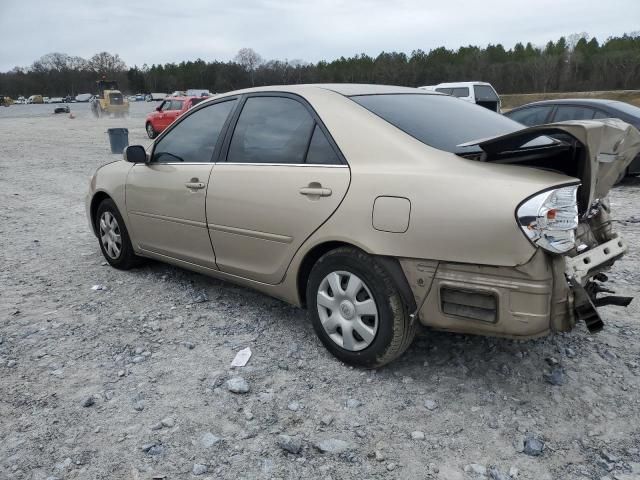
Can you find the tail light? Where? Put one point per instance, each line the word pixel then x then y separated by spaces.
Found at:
pixel 549 219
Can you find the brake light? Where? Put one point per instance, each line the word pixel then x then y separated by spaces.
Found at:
pixel 549 219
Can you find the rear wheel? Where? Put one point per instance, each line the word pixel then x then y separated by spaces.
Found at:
pixel 150 131
pixel 356 309
pixel 114 237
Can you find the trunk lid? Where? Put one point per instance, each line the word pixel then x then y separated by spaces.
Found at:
pixel 595 151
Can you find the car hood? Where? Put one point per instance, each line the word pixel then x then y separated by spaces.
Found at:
pixel 610 145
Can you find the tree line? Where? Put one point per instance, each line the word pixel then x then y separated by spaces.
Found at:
pixel 573 63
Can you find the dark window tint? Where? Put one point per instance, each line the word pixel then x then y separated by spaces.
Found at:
pixel 440 121
pixel 445 90
pixel 460 92
pixel 320 151
pixel 531 116
pixel 176 104
pixel 271 130
pixel 194 138
pixel 601 114
pixel 573 112
pixel 484 93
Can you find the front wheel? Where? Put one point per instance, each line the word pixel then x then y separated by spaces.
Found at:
pixel 151 133
pixel 114 237
pixel 356 309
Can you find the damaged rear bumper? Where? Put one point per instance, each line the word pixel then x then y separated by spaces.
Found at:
pixel 548 294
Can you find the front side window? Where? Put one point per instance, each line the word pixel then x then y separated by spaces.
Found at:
pixel 271 130
pixel 166 105
pixel 194 138
pixel 176 104
pixel 444 90
pixel 573 112
pixel 531 116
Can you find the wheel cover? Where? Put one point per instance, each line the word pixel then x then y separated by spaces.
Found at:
pixel 110 236
pixel 149 130
pixel 347 310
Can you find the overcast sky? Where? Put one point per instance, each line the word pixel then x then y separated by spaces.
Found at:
pixel 160 31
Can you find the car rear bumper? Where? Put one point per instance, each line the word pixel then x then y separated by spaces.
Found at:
pixel 544 295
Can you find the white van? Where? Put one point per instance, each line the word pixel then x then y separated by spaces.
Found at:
pixel 481 93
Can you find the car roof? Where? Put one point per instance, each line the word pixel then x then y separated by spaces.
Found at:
pixel 460 84
pixel 594 102
pixel 183 97
pixel 346 89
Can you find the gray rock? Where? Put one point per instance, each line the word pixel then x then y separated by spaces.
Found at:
pixel 87 402
pixel 533 446
pixel 201 298
pixel 514 472
pixel 609 457
pixel 138 406
pixel 294 406
pixel 199 469
pixel 430 405
pixel 121 373
pixel 379 456
pixel 237 385
pixel 152 448
pixel 11 363
pixel 476 470
pixel 168 422
pixel 391 466
pixel 208 440
pixel 156 426
pixel 417 435
pixel 290 444
pixel 326 420
pixel 555 377
pixel 333 445
pixel 138 359
pixel 353 403
pixel 495 474
pixel 601 462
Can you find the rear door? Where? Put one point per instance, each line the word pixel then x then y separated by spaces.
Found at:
pixel 281 179
pixel 166 198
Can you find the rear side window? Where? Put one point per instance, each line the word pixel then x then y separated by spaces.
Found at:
pixel 194 138
pixel 600 114
pixel 271 130
pixel 460 92
pixel 484 93
pixel 320 150
pixel 195 101
pixel 573 112
pixel 437 120
pixel 445 90
pixel 531 116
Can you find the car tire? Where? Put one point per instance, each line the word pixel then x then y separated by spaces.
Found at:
pixel 344 320
pixel 113 237
pixel 151 133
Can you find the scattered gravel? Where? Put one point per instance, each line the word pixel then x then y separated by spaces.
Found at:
pixel 475 399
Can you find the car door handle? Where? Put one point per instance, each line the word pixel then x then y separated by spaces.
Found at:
pixel 194 185
pixel 315 191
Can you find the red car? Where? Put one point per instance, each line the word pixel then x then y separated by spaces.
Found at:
pixel 167 112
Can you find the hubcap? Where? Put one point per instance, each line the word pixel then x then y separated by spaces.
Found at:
pixel 149 130
pixel 110 235
pixel 347 310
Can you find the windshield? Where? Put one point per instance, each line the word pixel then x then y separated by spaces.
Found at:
pixel 441 121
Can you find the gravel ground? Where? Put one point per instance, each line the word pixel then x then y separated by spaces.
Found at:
pixel 132 379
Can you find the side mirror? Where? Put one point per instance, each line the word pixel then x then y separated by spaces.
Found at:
pixel 159 108
pixel 135 154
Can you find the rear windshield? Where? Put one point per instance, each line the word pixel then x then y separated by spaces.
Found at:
pixel 484 93
pixel 441 121
pixel 195 101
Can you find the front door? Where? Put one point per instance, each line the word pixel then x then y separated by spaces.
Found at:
pixel 166 198
pixel 280 180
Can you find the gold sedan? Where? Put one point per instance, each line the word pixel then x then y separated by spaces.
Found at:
pixel 378 208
